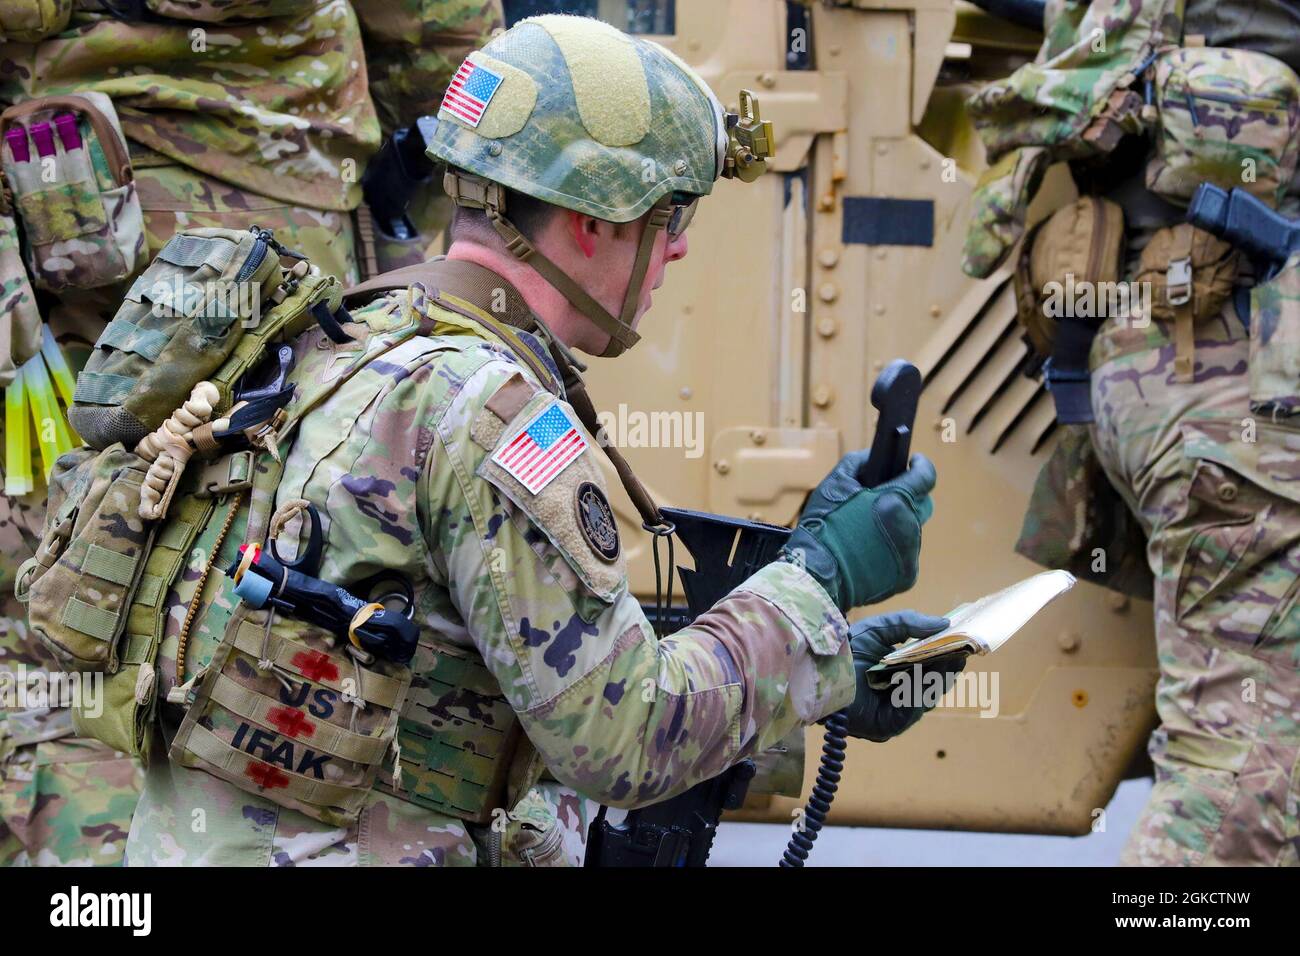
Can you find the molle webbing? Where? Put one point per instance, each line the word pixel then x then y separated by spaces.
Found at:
pixel 458 736
pixel 285 709
pixel 125 719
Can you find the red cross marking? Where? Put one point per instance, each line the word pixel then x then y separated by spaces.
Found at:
pixel 314 665
pixel 290 722
pixel 265 776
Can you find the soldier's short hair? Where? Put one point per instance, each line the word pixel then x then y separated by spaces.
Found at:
pixel 529 215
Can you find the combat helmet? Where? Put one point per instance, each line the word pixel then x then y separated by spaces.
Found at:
pixel 575 113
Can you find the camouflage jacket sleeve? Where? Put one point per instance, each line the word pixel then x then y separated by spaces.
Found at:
pixel 414 46
pixel 615 713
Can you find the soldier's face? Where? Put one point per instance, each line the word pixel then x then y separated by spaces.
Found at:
pixel 601 257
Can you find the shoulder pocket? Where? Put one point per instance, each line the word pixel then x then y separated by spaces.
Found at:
pixel 543 462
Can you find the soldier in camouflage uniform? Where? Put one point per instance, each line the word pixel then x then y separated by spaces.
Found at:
pixel 1211 479
pixel 234 114
pixel 518 577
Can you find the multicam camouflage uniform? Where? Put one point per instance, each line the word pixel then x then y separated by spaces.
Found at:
pixel 1216 488
pixel 398 462
pixel 407 487
pixel 212 145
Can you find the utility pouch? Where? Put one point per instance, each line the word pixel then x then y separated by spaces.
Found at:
pixel 65 162
pixel 1066 282
pixel 1077 521
pixel 1226 116
pixel 180 322
pixel 1067 267
pixel 1190 274
pixel 288 711
pixel 26 21
pixel 87 568
pixel 1275 344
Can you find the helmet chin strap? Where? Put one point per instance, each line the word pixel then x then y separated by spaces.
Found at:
pixel 474 192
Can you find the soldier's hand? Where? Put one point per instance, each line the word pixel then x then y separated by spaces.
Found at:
pixel 874 714
pixel 863 544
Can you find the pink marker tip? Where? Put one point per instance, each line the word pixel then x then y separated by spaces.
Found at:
pixel 43 137
pixel 16 137
pixel 69 135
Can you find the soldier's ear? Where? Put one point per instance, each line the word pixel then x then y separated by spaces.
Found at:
pixel 583 229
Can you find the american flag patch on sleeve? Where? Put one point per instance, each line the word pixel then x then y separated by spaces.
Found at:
pixel 547 445
pixel 470 92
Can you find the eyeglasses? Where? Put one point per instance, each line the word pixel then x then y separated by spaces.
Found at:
pixel 683 211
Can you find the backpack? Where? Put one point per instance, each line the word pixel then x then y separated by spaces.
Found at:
pixel 158 389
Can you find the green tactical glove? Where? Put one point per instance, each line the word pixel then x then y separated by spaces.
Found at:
pixel 874 715
pixel 863 544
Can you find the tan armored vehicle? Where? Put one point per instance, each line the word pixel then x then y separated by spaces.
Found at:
pixel 759 356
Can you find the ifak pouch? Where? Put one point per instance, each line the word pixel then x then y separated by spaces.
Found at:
pixel 65 163
pixel 1226 116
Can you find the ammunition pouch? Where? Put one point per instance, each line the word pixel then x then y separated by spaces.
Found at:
pixel 88 566
pixel 66 165
pixel 1191 274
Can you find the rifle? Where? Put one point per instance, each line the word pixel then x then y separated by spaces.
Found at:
pixel 679 831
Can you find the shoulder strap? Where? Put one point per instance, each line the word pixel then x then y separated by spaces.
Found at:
pixel 473 283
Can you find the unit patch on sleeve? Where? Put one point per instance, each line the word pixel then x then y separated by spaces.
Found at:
pixel 545 447
pixel 596 519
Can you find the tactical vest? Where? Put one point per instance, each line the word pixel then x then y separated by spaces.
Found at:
pixel 284 708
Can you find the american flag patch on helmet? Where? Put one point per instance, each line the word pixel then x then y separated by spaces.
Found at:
pixel 470 92
pixel 547 445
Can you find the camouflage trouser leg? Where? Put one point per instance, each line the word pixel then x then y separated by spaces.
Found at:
pixel 1219 496
pixel 70 799
pixel 64 800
